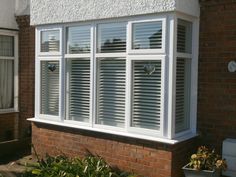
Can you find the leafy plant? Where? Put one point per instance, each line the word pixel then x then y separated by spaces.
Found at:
pixel 62 166
pixel 206 159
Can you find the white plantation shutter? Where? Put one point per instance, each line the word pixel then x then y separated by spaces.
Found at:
pixel 111 91
pixel 147 35
pixel 184 36
pixel 112 38
pixel 50 87
pixel 78 39
pixel 79 89
pixel 146 103
pixel 182 94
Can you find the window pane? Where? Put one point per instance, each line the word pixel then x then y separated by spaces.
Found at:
pixel 50 87
pixel 111 91
pixel 111 38
pixel 184 36
pixel 183 84
pixel 6 46
pixel 6 84
pixel 147 35
pixel 146 103
pixel 79 89
pixel 50 41
pixel 78 39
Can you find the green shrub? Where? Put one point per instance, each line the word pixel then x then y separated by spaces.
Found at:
pixel 61 166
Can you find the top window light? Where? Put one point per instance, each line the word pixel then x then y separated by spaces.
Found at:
pixel 111 38
pixel 78 39
pixel 147 35
pixel 50 41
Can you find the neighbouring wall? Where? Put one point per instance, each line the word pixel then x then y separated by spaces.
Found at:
pixel 7 14
pixel 217 86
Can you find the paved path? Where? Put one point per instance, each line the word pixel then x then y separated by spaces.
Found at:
pixel 15 168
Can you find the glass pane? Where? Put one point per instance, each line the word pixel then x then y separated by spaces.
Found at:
pixel 6 84
pixel 50 87
pixel 147 35
pixel 50 41
pixel 111 91
pixel 79 89
pixel 184 36
pixel 183 84
pixel 146 103
pixel 111 38
pixel 6 46
pixel 78 39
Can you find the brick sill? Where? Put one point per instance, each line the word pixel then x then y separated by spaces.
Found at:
pixel 126 134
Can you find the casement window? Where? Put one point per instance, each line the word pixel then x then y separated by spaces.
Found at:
pixel 8 71
pixel 128 77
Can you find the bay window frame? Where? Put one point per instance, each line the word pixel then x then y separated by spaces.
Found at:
pixel 15 59
pixel 167 55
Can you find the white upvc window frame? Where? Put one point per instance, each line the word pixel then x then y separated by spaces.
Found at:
pixel 136 130
pixel 48 56
pixel 39 37
pixel 167 55
pixel 15 58
pixel 193 57
pixel 162 50
pixel 69 56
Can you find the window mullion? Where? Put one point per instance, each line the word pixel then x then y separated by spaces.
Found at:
pixel 170 118
pixel 62 83
pixel 93 83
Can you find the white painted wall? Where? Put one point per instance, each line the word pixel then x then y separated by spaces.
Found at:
pixel 10 8
pixel 63 11
pixel 7 14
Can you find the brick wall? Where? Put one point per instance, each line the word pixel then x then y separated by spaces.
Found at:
pixel 26 73
pixel 217 87
pixel 146 158
pixel 8 126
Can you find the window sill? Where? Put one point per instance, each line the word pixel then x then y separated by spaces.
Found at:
pixel 8 111
pixel 126 134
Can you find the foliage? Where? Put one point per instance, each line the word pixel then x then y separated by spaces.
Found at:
pixel 206 159
pixel 62 166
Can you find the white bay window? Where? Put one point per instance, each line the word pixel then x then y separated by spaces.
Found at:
pixel 114 76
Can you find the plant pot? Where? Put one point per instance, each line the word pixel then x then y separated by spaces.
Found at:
pixel 189 172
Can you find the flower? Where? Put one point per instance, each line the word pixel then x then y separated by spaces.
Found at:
pixel 206 159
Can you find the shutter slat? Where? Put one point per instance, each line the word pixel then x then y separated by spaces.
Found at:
pixel 112 38
pixel 49 88
pixel 111 92
pixel 79 40
pixel 79 89
pixel 146 96
pixel 182 95
pixel 147 35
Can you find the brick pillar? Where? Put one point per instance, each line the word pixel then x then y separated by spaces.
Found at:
pixel 26 74
pixel 217 86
